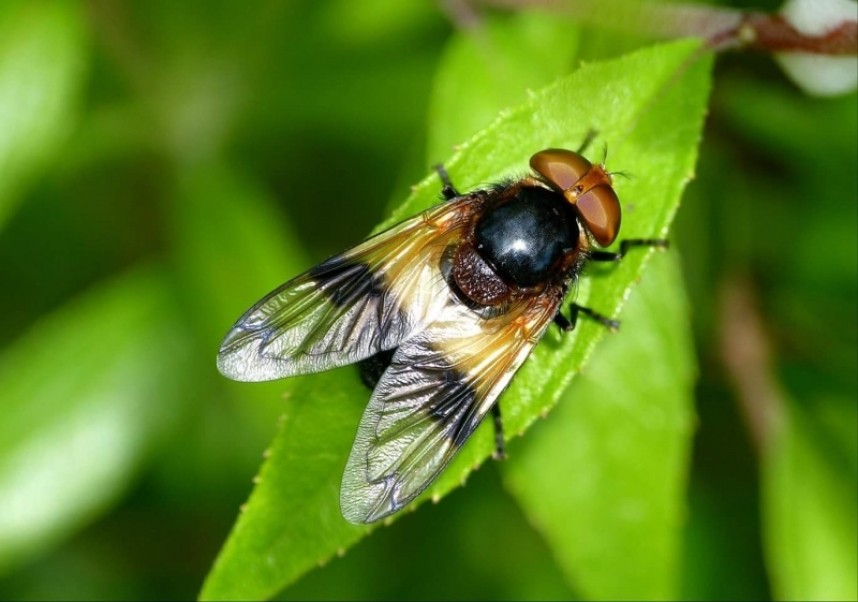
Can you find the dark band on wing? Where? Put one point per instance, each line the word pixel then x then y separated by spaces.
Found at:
pixel 345 281
pixel 373 367
pixel 455 410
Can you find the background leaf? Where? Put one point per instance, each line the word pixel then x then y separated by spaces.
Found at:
pixel 492 68
pixel 70 445
pixel 811 528
pixel 270 545
pixel 42 69
pixel 603 478
pixel 222 220
pixel 746 217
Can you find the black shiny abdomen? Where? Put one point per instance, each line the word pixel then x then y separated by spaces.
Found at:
pixel 524 238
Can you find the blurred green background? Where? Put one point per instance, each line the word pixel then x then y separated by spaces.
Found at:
pixel 163 165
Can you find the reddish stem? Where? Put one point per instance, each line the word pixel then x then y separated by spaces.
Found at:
pixel 773 33
pixel 722 28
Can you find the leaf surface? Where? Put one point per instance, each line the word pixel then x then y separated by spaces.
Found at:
pixel 603 478
pixel 42 67
pixel 85 394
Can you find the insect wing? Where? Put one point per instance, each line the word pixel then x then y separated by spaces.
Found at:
pixel 439 386
pixel 368 299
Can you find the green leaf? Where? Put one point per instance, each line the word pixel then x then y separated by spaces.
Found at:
pixel 231 246
pixel 490 68
pixel 292 522
pixel 42 67
pixel 603 479
pixel 649 105
pixel 85 393
pixel 809 502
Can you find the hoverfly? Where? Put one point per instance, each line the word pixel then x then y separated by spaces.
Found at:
pixel 442 310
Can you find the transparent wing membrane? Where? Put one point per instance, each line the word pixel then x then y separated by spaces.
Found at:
pixel 439 386
pixel 368 299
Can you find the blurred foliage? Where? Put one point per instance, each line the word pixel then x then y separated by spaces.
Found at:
pixel 163 165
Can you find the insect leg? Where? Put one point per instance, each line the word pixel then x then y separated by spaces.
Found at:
pixel 563 322
pixel 625 246
pixel 568 324
pixel 500 451
pixel 448 191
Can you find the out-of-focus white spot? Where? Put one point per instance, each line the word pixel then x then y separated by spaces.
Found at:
pixel 815 18
pixel 819 74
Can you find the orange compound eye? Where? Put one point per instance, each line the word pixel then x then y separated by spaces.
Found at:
pixel 561 168
pixel 599 208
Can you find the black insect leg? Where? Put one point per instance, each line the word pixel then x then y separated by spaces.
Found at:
pixel 625 246
pixel 500 450
pixel 563 322
pixel 568 324
pixel 448 191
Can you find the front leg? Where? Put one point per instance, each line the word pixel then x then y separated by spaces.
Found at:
pixel 625 245
pixel 568 324
pixel 448 191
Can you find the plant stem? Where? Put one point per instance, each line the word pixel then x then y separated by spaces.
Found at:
pixel 722 28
